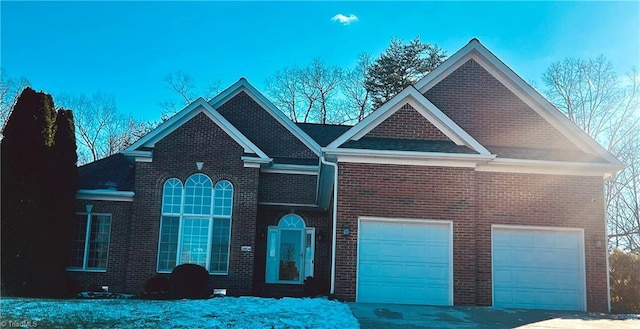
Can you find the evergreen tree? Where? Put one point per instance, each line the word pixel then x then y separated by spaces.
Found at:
pixel 399 67
pixel 32 242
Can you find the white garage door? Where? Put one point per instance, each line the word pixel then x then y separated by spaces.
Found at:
pixel 404 262
pixel 538 268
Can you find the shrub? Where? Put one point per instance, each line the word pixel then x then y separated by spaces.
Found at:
pixel 624 276
pixel 189 281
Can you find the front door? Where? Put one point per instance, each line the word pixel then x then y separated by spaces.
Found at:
pixel 290 250
pixel 291 255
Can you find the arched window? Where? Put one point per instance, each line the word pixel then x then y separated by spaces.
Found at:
pixel 195 226
pixel 222 205
pixel 172 196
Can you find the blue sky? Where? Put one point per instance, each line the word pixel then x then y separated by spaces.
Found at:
pixel 127 48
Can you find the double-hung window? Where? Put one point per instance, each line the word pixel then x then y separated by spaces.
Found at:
pixel 90 243
pixel 195 226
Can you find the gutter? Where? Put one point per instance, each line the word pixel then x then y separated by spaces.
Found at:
pixel 335 220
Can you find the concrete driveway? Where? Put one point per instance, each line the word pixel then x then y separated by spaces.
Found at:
pixel 384 316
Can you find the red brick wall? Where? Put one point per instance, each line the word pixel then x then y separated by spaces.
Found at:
pixel 287 188
pixel 176 156
pixel 492 114
pixel 263 129
pixel 407 192
pixel 407 123
pixel 543 200
pixel 114 277
pixel 473 201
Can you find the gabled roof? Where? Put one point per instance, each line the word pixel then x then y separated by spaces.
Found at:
pixel 323 134
pixel 244 85
pixel 190 111
pixel 512 81
pixel 423 106
pixel 115 172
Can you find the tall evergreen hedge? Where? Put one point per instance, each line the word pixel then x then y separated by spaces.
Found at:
pixel 39 181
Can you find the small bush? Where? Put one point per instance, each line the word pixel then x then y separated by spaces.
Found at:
pixel 189 281
pixel 157 285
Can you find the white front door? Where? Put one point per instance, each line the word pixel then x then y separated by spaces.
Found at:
pixel 404 262
pixel 538 268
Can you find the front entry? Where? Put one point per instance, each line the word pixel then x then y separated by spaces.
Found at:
pixel 290 251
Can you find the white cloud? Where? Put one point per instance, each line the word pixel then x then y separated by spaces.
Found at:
pixel 345 20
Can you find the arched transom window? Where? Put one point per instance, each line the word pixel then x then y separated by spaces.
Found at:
pixel 195 226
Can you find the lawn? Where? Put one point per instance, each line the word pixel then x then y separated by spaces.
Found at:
pixel 221 312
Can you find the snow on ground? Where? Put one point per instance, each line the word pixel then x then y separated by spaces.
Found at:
pixel 222 312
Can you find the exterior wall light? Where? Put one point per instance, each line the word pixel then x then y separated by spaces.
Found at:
pixel 345 230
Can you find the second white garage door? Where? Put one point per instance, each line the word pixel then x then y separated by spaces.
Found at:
pixel 404 262
pixel 538 268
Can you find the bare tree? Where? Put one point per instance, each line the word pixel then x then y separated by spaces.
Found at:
pixel 325 81
pixel 358 99
pixel 100 129
pixel 306 94
pixel 184 87
pixel 284 88
pixel 608 108
pixel 10 89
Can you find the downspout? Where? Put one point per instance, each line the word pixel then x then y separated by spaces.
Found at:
pixel 606 241
pixel 335 221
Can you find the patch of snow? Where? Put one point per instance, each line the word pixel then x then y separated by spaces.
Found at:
pixel 223 312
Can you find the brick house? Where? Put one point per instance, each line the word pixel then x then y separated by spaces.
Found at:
pixel 468 188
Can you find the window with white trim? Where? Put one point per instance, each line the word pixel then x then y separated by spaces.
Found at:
pixel 90 243
pixel 195 226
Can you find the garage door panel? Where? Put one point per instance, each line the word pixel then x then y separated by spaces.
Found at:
pixel 404 262
pixel 546 273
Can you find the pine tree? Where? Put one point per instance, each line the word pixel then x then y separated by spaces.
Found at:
pixel 32 195
pixel 399 67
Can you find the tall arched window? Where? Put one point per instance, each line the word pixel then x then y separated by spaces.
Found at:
pixel 195 226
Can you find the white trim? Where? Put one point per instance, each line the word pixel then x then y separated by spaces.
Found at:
pixel 423 106
pixel 190 111
pixel 411 158
pixel 258 97
pixel 604 170
pixel 448 223
pixel 291 169
pixel 544 228
pixel 512 81
pixel 104 195
pixel 253 162
pixel 140 156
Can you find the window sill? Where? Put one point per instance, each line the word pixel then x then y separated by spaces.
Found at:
pixel 210 273
pixel 86 270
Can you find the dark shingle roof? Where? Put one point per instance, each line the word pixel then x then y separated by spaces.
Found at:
pixel 543 154
pixel 374 143
pixel 113 172
pixel 323 134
